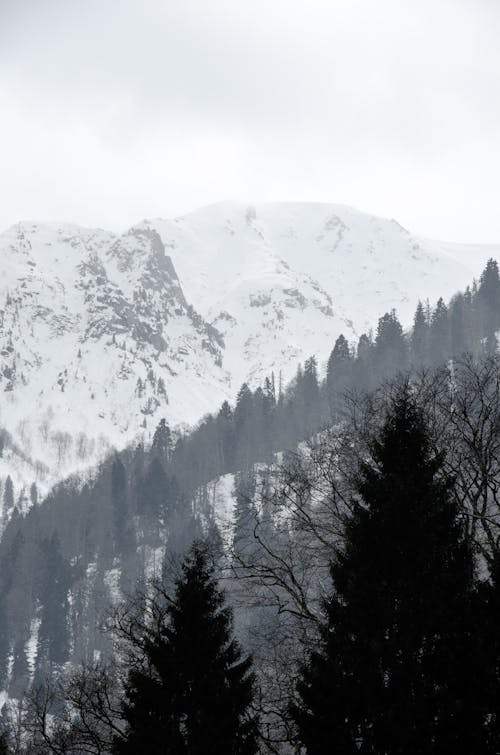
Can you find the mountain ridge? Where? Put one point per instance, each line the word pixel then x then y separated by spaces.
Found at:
pixel 102 334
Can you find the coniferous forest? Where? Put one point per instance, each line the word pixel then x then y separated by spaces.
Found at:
pixel 350 603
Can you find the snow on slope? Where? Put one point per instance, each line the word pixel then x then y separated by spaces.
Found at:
pixel 97 343
pixel 282 281
pixel 102 335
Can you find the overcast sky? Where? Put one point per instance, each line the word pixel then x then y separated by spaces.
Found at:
pixel 115 110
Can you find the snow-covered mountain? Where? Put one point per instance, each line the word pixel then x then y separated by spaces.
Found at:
pixel 281 281
pixel 101 334
pixel 97 342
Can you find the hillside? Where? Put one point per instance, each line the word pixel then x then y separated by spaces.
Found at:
pixel 102 335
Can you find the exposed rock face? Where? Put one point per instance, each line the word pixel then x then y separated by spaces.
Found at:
pixel 97 343
pixel 101 335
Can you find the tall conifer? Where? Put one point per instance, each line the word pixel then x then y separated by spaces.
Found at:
pixel 396 670
pixel 193 690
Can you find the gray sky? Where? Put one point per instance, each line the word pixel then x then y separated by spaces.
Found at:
pixel 114 110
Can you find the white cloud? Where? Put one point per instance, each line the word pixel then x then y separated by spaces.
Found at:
pixel 119 109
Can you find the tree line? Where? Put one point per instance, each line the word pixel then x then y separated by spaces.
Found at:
pixel 402 655
pixel 63 563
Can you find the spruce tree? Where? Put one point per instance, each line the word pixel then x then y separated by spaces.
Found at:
pixel 488 299
pixel 306 395
pixel 364 364
pixel 243 427
pixel 391 352
pixel 192 691
pixel 488 619
pixel 162 441
pixel 154 491
pixel 54 578
pixel 225 425
pixel 440 334
pixel 338 376
pixel 458 334
pixel 397 669
pixel 419 337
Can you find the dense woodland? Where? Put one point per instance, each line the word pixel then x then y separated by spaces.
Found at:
pixel 364 556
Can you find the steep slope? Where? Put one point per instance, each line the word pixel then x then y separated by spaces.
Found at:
pixel 282 281
pixel 101 335
pixel 97 340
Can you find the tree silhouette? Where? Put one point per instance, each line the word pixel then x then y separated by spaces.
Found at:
pixel 191 689
pixel 397 669
pixel 338 375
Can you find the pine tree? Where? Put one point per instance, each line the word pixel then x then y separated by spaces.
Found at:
pixel 269 416
pixel 391 353
pixel 258 434
pixel 488 618
pixel 471 337
pixel 193 691
pixel 458 330
pixel 439 336
pixel 419 337
pixel 162 441
pixel 338 375
pixel 243 427
pixel 364 367
pixel 4 744
pixel 154 492
pixel 54 582
pixel 225 431
pixel 488 298
pixel 396 670
pixel 309 399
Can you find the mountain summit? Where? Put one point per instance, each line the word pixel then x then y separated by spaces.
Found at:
pixel 103 334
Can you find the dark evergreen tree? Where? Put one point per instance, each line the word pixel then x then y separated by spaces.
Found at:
pixel 10 570
pixel 270 390
pixel 419 337
pixel 396 670
pixel 338 376
pixel 162 441
pixel 260 445
pixel 193 691
pixel 391 352
pixel 488 642
pixel 470 326
pixel 458 326
pixel 311 394
pixel 269 417
pixel 488 298
pixel 154 492
pixel 364 364
pixel 439 336
pixel 243 427
pixel 225 423
pixel 54 581
pixel 304 401
pixel 20 672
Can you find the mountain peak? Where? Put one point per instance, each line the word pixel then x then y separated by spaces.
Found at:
pixel 104 334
